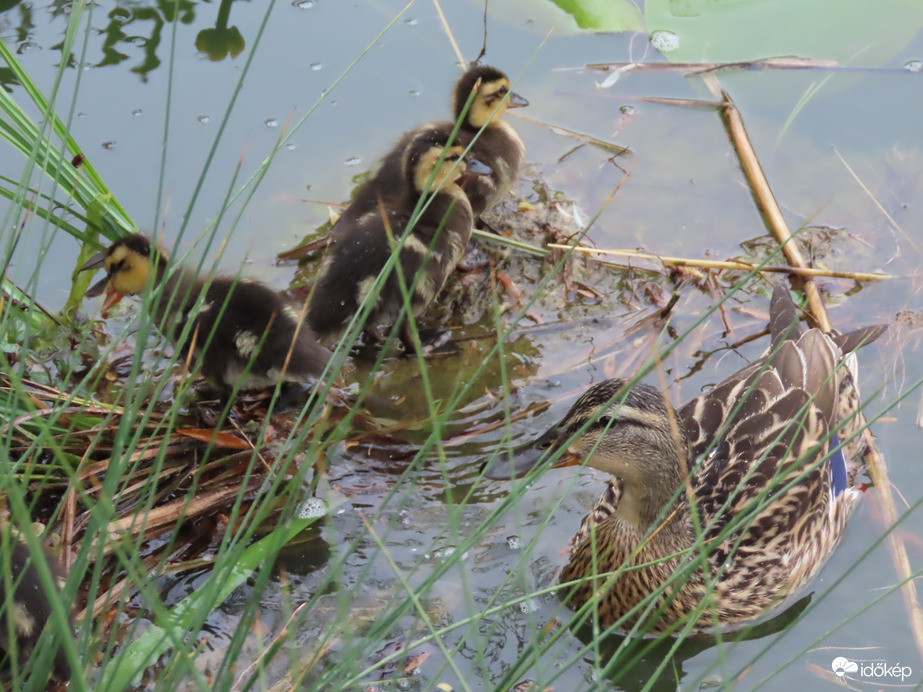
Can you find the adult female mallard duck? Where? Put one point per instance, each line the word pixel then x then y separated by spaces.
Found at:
pixel 496 144
pixel 432 247
pixel 756 475
pixel 243 333
pixel 25 611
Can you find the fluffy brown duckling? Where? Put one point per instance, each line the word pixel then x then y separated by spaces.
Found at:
pixel 28 607
pixel 361 246
pixel 243 333
pixel 496 144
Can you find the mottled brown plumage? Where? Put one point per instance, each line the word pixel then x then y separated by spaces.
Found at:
pixel 243 333
pixel 433 244
pixel 770 484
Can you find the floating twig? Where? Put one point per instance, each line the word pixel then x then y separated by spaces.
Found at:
pixel 766 201
pixel 727 264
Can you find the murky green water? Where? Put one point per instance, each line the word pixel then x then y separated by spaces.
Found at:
pixel 685 196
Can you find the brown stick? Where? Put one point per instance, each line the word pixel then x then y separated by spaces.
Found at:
pixel 766 202
pixel 737 265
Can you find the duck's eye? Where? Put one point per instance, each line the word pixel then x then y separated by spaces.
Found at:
pixel 501 92
pixel 545 444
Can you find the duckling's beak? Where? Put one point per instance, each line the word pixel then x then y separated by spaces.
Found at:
pixel 98 261
pixel 529 456
pixel 475 167
pixel 516 101
pixel 98 288
pixel 112 297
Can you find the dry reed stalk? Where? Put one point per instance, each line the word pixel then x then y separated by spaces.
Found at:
pixel 162 518
pixel 727 264
pixel 766 202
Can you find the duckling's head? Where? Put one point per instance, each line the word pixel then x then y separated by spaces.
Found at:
pixel 492 98
pixel 427 154
pixel 632 434
pixel 127 263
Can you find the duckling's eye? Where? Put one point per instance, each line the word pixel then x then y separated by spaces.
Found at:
pixel 501 92
pixel 116 266
pixel 545 444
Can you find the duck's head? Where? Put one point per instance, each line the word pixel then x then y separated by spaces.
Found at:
pixel 492 98
pixel 127 263
pixel 632 434
pixel 427 154
pixel 622 431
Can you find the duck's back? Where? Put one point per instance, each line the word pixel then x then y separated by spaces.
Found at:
pixel 774 430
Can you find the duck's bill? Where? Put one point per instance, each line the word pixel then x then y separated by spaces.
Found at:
pixel 475 167
pixel 99 288
pixel 97 261
pixel 528 458
pixel 516 101
pixel 112 299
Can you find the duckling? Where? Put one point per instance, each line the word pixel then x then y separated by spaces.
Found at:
pixel 28 605
pixel 496 144
pixel 243 333
pixel 433 246
pixel 757 475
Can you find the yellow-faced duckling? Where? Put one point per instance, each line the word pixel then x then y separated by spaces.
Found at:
pixel 243 333
pixel 433 246
pixel 26 610
pixel 496 144
pixel 756 474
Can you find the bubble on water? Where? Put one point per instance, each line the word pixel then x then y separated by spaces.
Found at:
pixel 514 542
pixel 447 552
pixel 628 110
pixel 204 119
pixel 414 92
pixel 913 65
pixel 528 606
pixel 137 112
pixel 110 145
pixel 312 508
pixel 290 146
pixel 271 122
pixel 304 4
pixel 664 41
pixel 316 66
pixel 353 161
pixel 410 22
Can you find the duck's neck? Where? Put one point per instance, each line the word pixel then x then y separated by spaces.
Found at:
pixel 179 290
pixel 655 499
